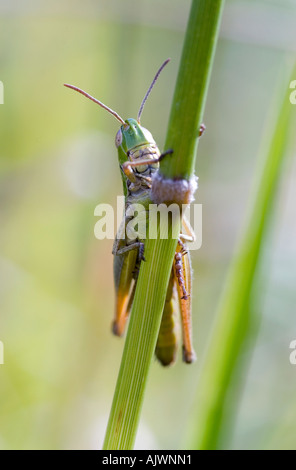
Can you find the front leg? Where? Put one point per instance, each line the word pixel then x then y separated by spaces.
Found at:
pixel 134 246
pixel 127 167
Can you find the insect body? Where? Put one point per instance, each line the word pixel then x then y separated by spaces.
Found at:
pixel 139 159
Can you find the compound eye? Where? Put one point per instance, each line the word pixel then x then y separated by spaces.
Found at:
pixel 118 138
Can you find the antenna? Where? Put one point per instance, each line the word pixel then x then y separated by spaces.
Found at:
pixel 96 101
pixel 150 88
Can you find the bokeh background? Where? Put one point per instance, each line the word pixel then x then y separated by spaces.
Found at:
pixel 58 161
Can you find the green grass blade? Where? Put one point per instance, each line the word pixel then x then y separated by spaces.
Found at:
pixel 191 87
pixel 233 317
pixel 189 99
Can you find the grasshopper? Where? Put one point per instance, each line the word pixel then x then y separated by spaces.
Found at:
pixel 139 159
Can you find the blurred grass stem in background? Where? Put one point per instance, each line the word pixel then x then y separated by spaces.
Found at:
pixel 234 317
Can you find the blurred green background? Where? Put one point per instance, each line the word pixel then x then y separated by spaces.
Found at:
pixel 58 161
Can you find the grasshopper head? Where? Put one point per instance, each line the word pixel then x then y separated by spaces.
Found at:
pixel 130 135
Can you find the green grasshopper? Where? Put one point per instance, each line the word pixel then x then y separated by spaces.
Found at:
pixel 139 159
